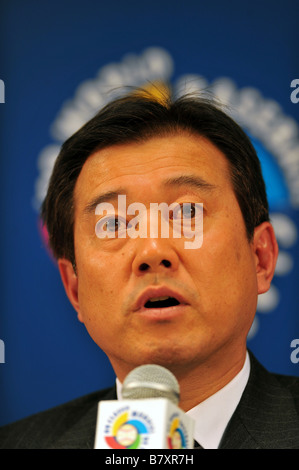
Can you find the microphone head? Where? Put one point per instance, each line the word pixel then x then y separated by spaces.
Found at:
pixel 151 381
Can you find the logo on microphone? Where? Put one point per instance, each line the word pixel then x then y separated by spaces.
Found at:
pixel 177 437
pixel 128 430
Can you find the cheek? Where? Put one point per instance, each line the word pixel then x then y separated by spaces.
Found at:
pixel 98 304
pixel 223 270
pixel 96 285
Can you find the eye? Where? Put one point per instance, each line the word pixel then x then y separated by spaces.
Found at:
pixel 186 210
pixel 110 226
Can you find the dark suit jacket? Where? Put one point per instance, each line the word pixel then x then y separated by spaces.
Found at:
pixel 267 417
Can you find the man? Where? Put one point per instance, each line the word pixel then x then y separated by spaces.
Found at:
pixel 149 299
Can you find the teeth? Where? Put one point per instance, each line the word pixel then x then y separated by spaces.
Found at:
pixel 157 299
pixel 161 302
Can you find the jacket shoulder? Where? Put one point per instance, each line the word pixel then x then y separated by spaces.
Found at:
pixel 290 383
pixel 43 429
pixel 267 416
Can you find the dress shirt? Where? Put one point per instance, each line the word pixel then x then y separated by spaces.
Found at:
pixel 213 414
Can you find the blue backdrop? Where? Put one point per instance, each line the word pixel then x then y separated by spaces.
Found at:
pixel 58 61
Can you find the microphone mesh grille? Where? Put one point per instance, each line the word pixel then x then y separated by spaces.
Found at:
pixel 151 381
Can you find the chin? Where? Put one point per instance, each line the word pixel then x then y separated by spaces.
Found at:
pixel 169 357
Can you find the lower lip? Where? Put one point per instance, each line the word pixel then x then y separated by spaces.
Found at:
pixel 162 314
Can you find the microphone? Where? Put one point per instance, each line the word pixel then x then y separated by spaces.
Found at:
pixel 148 416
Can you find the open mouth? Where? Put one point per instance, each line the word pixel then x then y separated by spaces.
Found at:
pixel 161 302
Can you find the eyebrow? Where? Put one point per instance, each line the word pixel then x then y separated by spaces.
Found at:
pixel 195 182
pixel 105 197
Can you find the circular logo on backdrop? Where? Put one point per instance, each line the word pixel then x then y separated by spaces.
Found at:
pixel 274 135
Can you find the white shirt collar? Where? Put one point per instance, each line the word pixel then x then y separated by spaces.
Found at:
pixel 213 414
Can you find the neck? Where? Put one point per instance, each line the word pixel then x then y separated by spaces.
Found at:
pixel 203 381
pixel 199 382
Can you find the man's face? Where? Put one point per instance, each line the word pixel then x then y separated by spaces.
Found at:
pixel 216 285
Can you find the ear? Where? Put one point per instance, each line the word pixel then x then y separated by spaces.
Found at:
pixel 70 282
pixel 266 253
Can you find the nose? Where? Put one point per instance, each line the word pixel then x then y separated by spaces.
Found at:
pixel 155 256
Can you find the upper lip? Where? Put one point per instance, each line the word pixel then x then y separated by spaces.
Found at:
pixel 155 292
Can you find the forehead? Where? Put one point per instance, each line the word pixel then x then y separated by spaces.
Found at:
pixel 147 164
pixel 172 150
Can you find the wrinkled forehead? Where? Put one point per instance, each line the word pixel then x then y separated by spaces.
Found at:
pixel 152 161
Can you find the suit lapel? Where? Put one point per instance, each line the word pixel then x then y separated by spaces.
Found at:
pixel 266 417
